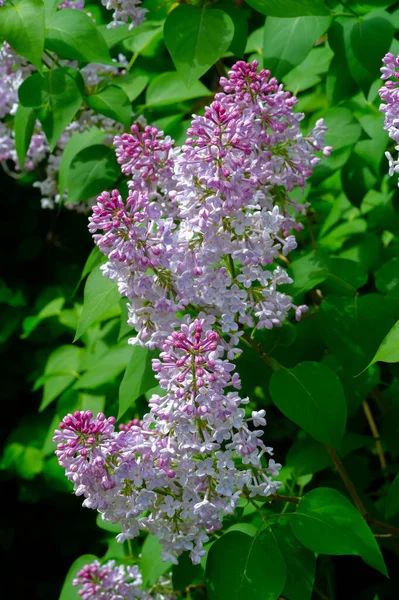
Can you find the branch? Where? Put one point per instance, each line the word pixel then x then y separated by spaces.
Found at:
pixel 375 433
pixel 280 498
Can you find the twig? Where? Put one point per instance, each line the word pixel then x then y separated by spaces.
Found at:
pixel 280 498
pixel 321 594
pixel 355 497
pixel 383 535
pixel 375 434
pixel 347 481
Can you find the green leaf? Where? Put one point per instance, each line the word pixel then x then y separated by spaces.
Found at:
pixel 287 42
pixel 387 277
pixel 307 457
pixel 100 294
pixel 392 501
pixel 91 171
pixel 69 591
pixel 56 98
pixel 169 88
pixel 114 35
pixel 106 368
pixel 342 322
pixel 327 523
pixel 185 573
pixel 240 567
pixel 343 129
pixel 112 102
pixel 52 309
pixel 340 83
pixel 196 38
pixel 151 564
pixel 389 348
pixel 30 462
pixel 310 71
pixel 308 271
pixel 107 525
pixel 367 39
pixel 138 378
pixel 72 34
pixel 60 372
pixel 77 142
pixel 95 259
pixel 24 124
pixel 131 84
pixel 290 8
pixel 143 35
pixel 22 26
pixel 300 563
pixel 300 394
pixel 239 18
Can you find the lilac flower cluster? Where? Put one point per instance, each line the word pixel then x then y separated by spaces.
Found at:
pixel 180 470
pixel 13 70
pixel 125 11
pixel 389 94
pixel 118 582
pixel 202 222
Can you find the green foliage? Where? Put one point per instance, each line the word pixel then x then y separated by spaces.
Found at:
pixel 196 38
pixel 240 566
pixel 287 42
pixel 56 97
pixel 301 396
pixel 99 295
pixel 326 522
pixel 92 169
pixel 320 374
pixel 72 34
pixel 22 26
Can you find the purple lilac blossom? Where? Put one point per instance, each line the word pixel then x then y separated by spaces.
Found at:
pixel 204 223
pixel 125 12
pixel 389 94
pixel 118 582
pixel 180 470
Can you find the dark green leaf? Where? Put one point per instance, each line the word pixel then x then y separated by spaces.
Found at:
pixel 196 38
pixel 143 35
pixel 24 124
pixel 60 372
pixel 70 592
pixel 392 501
pixel 151 564
pixel 112 102
pixel 137 379
pixel 56 98
pixel 389 348
pixel 287 42
pixel 327 523
pixel 169 88
pixel 300 563
pixel 100 294
pixel 387 277
pixel 239 18
pixel 72 34
pixel 106 368
pixel 300 394
pixel 240 567
pixel 367 39
pixel 76 143
pixel 290 8
pixel 132 84
pixel 92 170
pixel 22 26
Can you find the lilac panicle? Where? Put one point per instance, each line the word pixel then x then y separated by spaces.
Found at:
pixel 118 582
pixel 185 465
pixel 389 94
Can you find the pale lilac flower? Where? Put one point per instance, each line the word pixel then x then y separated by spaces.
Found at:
pixel 125 12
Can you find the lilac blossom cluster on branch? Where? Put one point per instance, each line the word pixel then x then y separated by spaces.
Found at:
pixel 180 470
pixel 389 94
pixel 118 582
pixel 14 69
pixel 204 223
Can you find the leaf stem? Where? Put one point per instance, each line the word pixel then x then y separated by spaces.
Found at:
pixel 272 362
pixel 375 434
